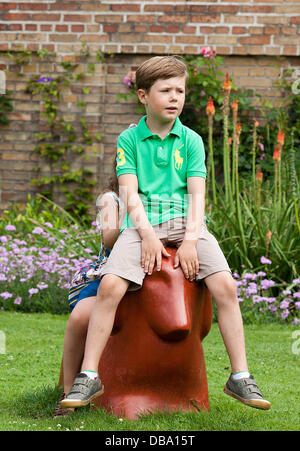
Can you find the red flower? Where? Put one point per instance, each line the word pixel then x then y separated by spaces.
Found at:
pixel 210 108
pixel 280 137
pixel 226 84
pixel 259 175
pixel 277 153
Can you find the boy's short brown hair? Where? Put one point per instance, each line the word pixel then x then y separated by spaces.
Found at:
pixel 159 67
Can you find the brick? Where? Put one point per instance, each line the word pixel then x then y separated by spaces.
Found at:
pixel 132 7
pixel 173 19
pixel 32 37
pixel 271 30
pixel 7 6
pixel 156 28
pixel 255 40
pixel 109 18
pixel 172 29
pixel 46 17
pixel 229 40
pixel 33 6
pixel 16 17
pixel 190 39
pixel 76 28
pixel 223 9
pixel 238 19
pixel 239 30
pixel 109 28
pixel 222 30
pixel 159 8
pixel 212 18
pixel 63 37
pixel 63 6
pixel 143 18
pixel 77 18
pixel 273 20
pixel 256 9
pixel 188 30
pixel 295 20
pixel 61 28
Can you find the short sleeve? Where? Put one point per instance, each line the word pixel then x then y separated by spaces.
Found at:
pixel 196 156
pixel 126 155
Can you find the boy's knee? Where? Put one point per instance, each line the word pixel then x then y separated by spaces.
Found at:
pixel 78 321
pixel 111 286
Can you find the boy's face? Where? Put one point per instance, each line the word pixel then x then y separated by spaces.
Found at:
pixel 165 99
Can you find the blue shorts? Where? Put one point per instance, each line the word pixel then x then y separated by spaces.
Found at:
pixel 83 291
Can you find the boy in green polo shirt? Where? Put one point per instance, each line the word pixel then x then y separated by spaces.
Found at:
pixel 161 173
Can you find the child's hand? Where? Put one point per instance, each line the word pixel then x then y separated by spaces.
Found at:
pixel 187 256
pixel 152 248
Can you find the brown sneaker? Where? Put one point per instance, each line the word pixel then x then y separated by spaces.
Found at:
pixel 246 391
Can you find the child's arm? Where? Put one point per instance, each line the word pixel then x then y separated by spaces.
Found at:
pixel 109 213
pixel 152 247
pixel 187 252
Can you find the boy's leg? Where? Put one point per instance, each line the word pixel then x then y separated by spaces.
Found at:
pixel 223 290
pixel 111 291
pixel 74 341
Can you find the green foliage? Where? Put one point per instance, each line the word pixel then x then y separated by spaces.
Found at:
pixel 5 107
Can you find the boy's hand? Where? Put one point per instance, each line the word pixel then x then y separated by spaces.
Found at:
pixel 152 248
pixel 187 256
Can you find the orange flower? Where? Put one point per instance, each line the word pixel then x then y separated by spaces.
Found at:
pixel 259 175
pixel 210 108
pixel 226 84
pixel 256 123
pixel 268 237
pixel 235 106
pixel 280 137
pixel 229 141
pixel 276 153
pixel 238 129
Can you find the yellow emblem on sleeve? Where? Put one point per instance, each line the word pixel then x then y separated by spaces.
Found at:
pixel 121 156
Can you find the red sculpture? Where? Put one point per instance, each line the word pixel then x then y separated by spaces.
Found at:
pixel 154 358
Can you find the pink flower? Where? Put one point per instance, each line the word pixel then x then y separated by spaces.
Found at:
pixel 265 260
pixel 206 52
pixel 18 300
pixel 32 291
pixel 129 79
pixel 38 231
pixel 10 228
pixel 6 295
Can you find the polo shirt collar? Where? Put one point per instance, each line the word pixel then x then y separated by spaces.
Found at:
pixel 145 133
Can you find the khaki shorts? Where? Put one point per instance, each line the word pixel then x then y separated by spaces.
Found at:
pixel 125 258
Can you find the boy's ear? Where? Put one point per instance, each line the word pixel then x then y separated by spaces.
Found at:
pixel 142 95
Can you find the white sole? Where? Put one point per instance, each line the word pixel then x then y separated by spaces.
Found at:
pixel 256 403
pixel 80 403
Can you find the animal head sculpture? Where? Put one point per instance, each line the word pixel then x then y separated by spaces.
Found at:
pixel 154 358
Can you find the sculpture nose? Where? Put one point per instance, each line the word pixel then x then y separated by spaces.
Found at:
pixel 169 318
pixel 177 334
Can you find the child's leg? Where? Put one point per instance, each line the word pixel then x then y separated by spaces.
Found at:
pixel 223 289
pixel 111 291
pixel 74 341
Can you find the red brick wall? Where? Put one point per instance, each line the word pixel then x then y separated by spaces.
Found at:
pixel 249 34
pixel 257 27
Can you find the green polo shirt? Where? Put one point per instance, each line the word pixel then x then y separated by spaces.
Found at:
pixel 162 167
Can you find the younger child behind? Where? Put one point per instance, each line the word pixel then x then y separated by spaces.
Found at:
pixel 83 289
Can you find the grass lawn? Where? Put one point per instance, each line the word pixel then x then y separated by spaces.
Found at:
pixel 29 369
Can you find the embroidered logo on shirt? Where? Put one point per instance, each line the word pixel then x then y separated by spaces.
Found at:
pixel 178 158
pixel 121 157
